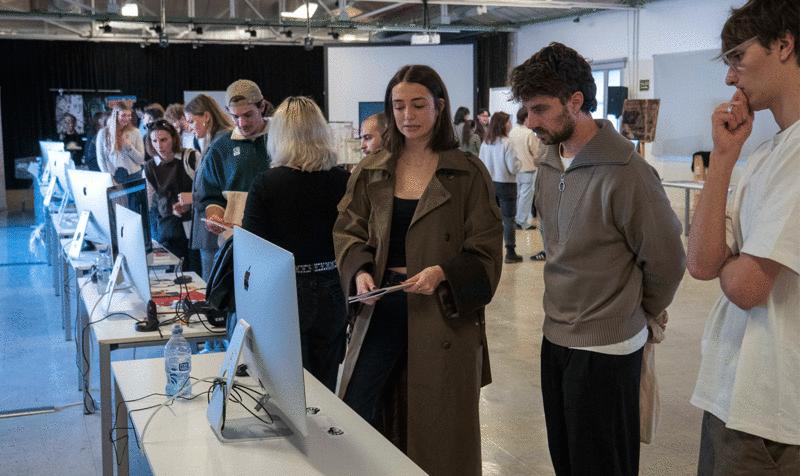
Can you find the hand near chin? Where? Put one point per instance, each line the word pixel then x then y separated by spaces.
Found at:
pixel 731 125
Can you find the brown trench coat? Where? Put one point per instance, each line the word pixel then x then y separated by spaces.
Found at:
pixel 457 225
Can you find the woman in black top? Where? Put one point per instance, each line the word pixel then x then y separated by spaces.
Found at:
pixel 167 178
pixel 293 205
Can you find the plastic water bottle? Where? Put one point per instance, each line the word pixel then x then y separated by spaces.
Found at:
pixel 177 362
pixel 103 267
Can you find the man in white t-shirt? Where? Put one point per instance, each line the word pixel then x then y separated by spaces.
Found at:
pixel 749 381
pixel 529 150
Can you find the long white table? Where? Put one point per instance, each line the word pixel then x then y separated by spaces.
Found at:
pixel 118 332
pixel 179 440
pixel 688 186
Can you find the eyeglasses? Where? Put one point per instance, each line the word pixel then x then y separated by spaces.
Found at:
pixel 159 124
pixel 733 57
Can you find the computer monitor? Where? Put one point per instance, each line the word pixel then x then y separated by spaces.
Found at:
pixel 133 196
pixel 61 162
pixel 266 299
pixel 132 259
pixel 89 192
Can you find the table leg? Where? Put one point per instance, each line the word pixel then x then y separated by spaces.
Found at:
pixel 65 297
pixel 121 434
pixel 687 213
pixel 106 409
pixel 82 348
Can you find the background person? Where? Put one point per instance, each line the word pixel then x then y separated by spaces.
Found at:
pixel 420 208
pixel 747 386
pixel 120 149
pixel 372 130
pixel 293 205
pixel 176 116
pixel 166 179
pixel 470 141
pixel 461 116
pixel 207 122
pixel 498 156
pixel 529 150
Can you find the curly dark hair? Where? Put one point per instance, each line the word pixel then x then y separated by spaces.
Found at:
pixel 558 71
pixel 769 20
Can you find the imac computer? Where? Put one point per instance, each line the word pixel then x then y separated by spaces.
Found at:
pixel 133 196
pixel 89 192
pixel 267 339
pixel 132 259
pixel 60 162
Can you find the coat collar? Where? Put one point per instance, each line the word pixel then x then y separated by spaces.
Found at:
pixel 607 147
pixel 238 135
pixel 453 159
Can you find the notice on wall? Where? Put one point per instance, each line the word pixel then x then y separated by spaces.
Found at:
pixel 639 118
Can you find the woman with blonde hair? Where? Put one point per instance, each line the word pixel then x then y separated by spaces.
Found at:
pixel 120 148
pixel 293 205
pixel 207 122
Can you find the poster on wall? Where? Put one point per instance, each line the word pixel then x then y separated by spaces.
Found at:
pixel 639 118
pixel 69 114
pixel 112 101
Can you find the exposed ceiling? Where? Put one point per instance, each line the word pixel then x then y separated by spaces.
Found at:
pixel 253 22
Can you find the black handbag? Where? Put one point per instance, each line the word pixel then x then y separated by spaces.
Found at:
pixel 219 287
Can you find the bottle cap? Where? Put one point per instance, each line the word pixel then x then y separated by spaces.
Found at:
pixel 177 329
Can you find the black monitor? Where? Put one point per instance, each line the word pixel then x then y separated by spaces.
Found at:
pixel 133 196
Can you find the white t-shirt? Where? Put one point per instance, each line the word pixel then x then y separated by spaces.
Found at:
pixel 750 371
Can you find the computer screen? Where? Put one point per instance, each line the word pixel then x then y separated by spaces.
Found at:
pixel 130 240
pixel 266 297
pixel 133 196
pixel 61 161
pixel 89 192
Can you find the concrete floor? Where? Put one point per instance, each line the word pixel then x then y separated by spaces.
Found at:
pixel 38 369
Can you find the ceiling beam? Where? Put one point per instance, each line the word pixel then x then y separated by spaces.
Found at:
pixel 377 12
pixel 553 4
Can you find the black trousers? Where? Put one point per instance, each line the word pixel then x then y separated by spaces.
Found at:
pixel 591 409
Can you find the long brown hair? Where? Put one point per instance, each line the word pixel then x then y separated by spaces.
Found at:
pixel 443 137
pixel 467 132
pixel 497 127
pixel 202 104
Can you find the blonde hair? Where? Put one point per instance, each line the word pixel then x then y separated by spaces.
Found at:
pixel 300 137
pixel 112 134
pixel 202 104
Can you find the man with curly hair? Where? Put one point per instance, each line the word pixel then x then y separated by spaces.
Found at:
pixel 749 380
pixel 614 260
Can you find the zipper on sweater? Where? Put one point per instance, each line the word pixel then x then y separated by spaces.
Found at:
pixel 562 185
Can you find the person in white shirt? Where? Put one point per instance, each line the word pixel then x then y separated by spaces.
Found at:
pixel 749 380
pixel 120 149
pixel 529 150
pixel 498 156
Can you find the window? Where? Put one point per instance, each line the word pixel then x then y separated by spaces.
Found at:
pixel 607 73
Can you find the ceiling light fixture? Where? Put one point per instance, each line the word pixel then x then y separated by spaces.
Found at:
pixel 106 28
pixel 130 10
pixel 288 33
pixel 198 30
pixel 577 20
pixel 334 34
pixel 300 13
pixel 252 33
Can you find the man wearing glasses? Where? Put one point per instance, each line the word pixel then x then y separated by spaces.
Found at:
pixel 235 159
pixel 749 381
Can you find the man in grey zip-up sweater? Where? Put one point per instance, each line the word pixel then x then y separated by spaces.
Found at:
pixel 614 259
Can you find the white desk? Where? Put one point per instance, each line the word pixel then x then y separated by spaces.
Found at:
pixel 119 332
pixel 687 185
pixel 180 440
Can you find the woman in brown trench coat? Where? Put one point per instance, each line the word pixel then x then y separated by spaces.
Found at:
pixel 420 212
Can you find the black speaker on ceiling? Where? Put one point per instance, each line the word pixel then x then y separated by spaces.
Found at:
pixel 616 96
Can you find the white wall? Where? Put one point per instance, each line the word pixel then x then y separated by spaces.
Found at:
pixel 665 27
pixel 361 73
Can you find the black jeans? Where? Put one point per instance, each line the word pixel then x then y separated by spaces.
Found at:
pixel 384 345
pixel 506 196
pixel 591 410
pixel 323 324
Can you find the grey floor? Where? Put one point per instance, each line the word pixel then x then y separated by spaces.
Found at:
pixel 38 369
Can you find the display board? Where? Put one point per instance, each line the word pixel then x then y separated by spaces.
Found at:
pixel 690 86
pixel 360 74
